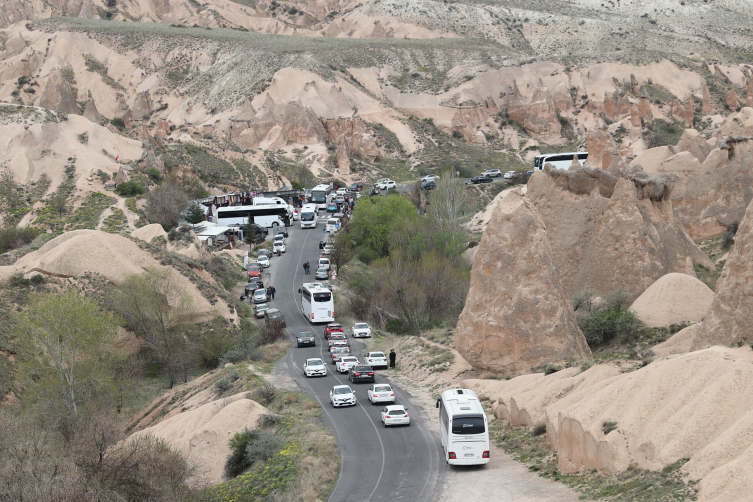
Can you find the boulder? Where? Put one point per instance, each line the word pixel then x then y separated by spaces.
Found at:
pixel 691 141
pixel 730 318
pixel 600 146
pixel 673 299
pixel 57 94
pixel 731 100
pixel 609 232
pixel 517 315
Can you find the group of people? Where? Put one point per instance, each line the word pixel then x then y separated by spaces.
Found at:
pixel 307 267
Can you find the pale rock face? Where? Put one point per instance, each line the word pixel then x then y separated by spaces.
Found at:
pixel 466 121
pixel 692 142
pixel 600 146
pixel 91 112
pixel 277 123
pixel 539 117
pixel 142 106
pixel 609 232
pixel 57 94
pixel 517 315
pixel 616 105
pixel 349 139
pixel 731 100
pixel 673 299
pixel 706 105
pixel 731 315
pixel 644 108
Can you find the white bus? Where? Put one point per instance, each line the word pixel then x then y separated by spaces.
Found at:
pixel 266 216
pixel 274 201
pixel 319 196
pixel 308 216
pixel 317 303
pixel 465 431
pixel 558 160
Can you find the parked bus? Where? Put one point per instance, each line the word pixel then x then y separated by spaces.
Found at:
pixel 558 160
pixel 319 196
pixel 270 216
pixel 308 216
pixel 275 201
pixel 464 428
pixel 317 303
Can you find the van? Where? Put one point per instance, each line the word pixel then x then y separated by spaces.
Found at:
pixel 558 160
pixel 332 224
pixel 324 263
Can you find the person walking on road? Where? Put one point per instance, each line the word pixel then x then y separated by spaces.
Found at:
pixel 272 291
pixel 269 292
pixel 305 268
pixel 393 357
pixel 308 268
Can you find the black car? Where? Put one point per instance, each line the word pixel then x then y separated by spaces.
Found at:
pixel 355 187
pixel 482 178
pixel 306 338
pixel 429 185
pixel 281 230
pixel 254 283
pixel 361 374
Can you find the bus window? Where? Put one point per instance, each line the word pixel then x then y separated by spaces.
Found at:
pixel 322 297
pixel 468 425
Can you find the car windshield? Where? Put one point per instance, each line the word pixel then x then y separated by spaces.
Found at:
pixel 350 360
pixel 275 315
pixel 361 368
pixel 397 412
pixel 306 335
pixel 361 325
pixel 342 391
pixel 316 362
pixel 322 270
pixel 259 292
pixel 376 354
pixel 256 269
pixel 382 388
pixel 261 306
pixel 468 425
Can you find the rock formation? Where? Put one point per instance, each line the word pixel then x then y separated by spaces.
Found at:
pixel 616 105
pixel 689 111
pixel 91 112
pixel 349 138
pixel 538 117
pixel 644 107
pixel 517 315
pixel 609 232
pixel 706 105
pixel 142 107
pixel 673 299
pixel 276 124
pixel 731 100
pixel 466 121
pixel 601 148
pixel 749 92
pixel 635 117
pixel 57 95
pixel 730 318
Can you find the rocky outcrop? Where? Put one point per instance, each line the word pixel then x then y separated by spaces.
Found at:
pixel 601 148
pixel 57 94
pixel 749 93
pixel 276 124
pixel 517 315
pixel 142 106
pixel 731 100
pixel 612 232
pixel 706 104
pixel 689 111
pixel 349 138
pixel 712 187
pixel 466 121
pixel 731 315
pixel 616 104
pixel 538 117
pixel 673 299
pixel 644 107
pixel 91 112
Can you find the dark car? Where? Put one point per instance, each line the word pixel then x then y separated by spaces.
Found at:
pixel 360 373
pixel 254 283
pixel 429 185
pixel 355 187
pixel 281 230
pixel 482 178
pixel 274 316
pixel 306 338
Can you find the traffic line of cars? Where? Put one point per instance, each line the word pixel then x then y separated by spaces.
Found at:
pixel 357 370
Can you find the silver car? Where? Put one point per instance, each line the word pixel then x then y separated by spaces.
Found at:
pixel 260 296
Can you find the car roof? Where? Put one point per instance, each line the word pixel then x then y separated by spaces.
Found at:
pixel 271 311
pixel 315 359
pixel 377 352
pixel 395 407
pixel 341 387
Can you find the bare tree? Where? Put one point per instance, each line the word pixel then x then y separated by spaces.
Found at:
pixel 343 252
pixel 448 204
pixel 154 305
pixel 166 202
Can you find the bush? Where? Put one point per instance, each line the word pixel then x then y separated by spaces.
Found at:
pixel 539 430
pixel 154 174
pixel 728 239
pixel 118 122
pixel 248 447
pixel 268 419
pixel 263 447
pixel 130 189
pixel 265 394
pixel 12 237
pixel 222 385
pixel 606 321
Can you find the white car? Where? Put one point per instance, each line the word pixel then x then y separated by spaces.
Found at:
pixel 380 393
pixel 361 330
pixel 510 174
pixel 332 225
pixel 376 359
pixel 430 177
pixel 345 363
pixel 395 415
pixel 342 395
pixel 263 261
pixel 314 367
pixel 492 173
pixel 341 191
pixel 323 263
pixel 386 185
pixel 296 215
pixel 279 238
pixel 279 245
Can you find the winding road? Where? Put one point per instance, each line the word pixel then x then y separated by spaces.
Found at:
pixel 378 464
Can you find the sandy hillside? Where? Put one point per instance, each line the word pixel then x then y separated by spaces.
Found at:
pixel 80 251
pixel 695 405
pixel 672 299
pixel 202 434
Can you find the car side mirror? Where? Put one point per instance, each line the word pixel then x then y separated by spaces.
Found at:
pixel 299 291
pixel 437 403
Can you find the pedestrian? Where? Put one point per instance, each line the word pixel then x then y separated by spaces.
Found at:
pixel 304 269
pixel 393 356
pixel 308 268
pixel 272 288
pixel 269 292
pixel 243 298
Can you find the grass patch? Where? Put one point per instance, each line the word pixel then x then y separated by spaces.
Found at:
pixel 709 276
pixel 530 447
pixel 116 222
pixel 97 67
pixel 662 133
pixel 142 219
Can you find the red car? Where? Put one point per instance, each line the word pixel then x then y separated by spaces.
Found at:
pixel 333 328
pixel 254 272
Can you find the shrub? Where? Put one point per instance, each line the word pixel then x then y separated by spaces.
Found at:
pixel 154 174
pixel 248 447
pixel 608 427
pixel 12 237
pixel 539 430
pixel 265 394
pixel 118 122
pixel 263 447
pixel 222 385
pixel 728 239
pixel 606 325
pixel 268 419
pixel 130 189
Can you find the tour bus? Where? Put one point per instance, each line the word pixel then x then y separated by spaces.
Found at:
pixel 319 196
pixel 558 160
pixel 464 428
pixel 317 304
pixel 266 216
pixel 274 201
pixel 308 216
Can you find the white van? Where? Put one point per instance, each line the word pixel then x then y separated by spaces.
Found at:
pixel 558 160
pixel 308 216
pixel 324 263
pixel 332 225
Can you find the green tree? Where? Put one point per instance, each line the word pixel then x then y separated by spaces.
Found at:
pixel 70 351
pixel 448 204
pixel 251 236
pixel 154 305
pixel 195 214
pixel 374 218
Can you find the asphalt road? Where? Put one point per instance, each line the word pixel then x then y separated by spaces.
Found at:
pixel 378 464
